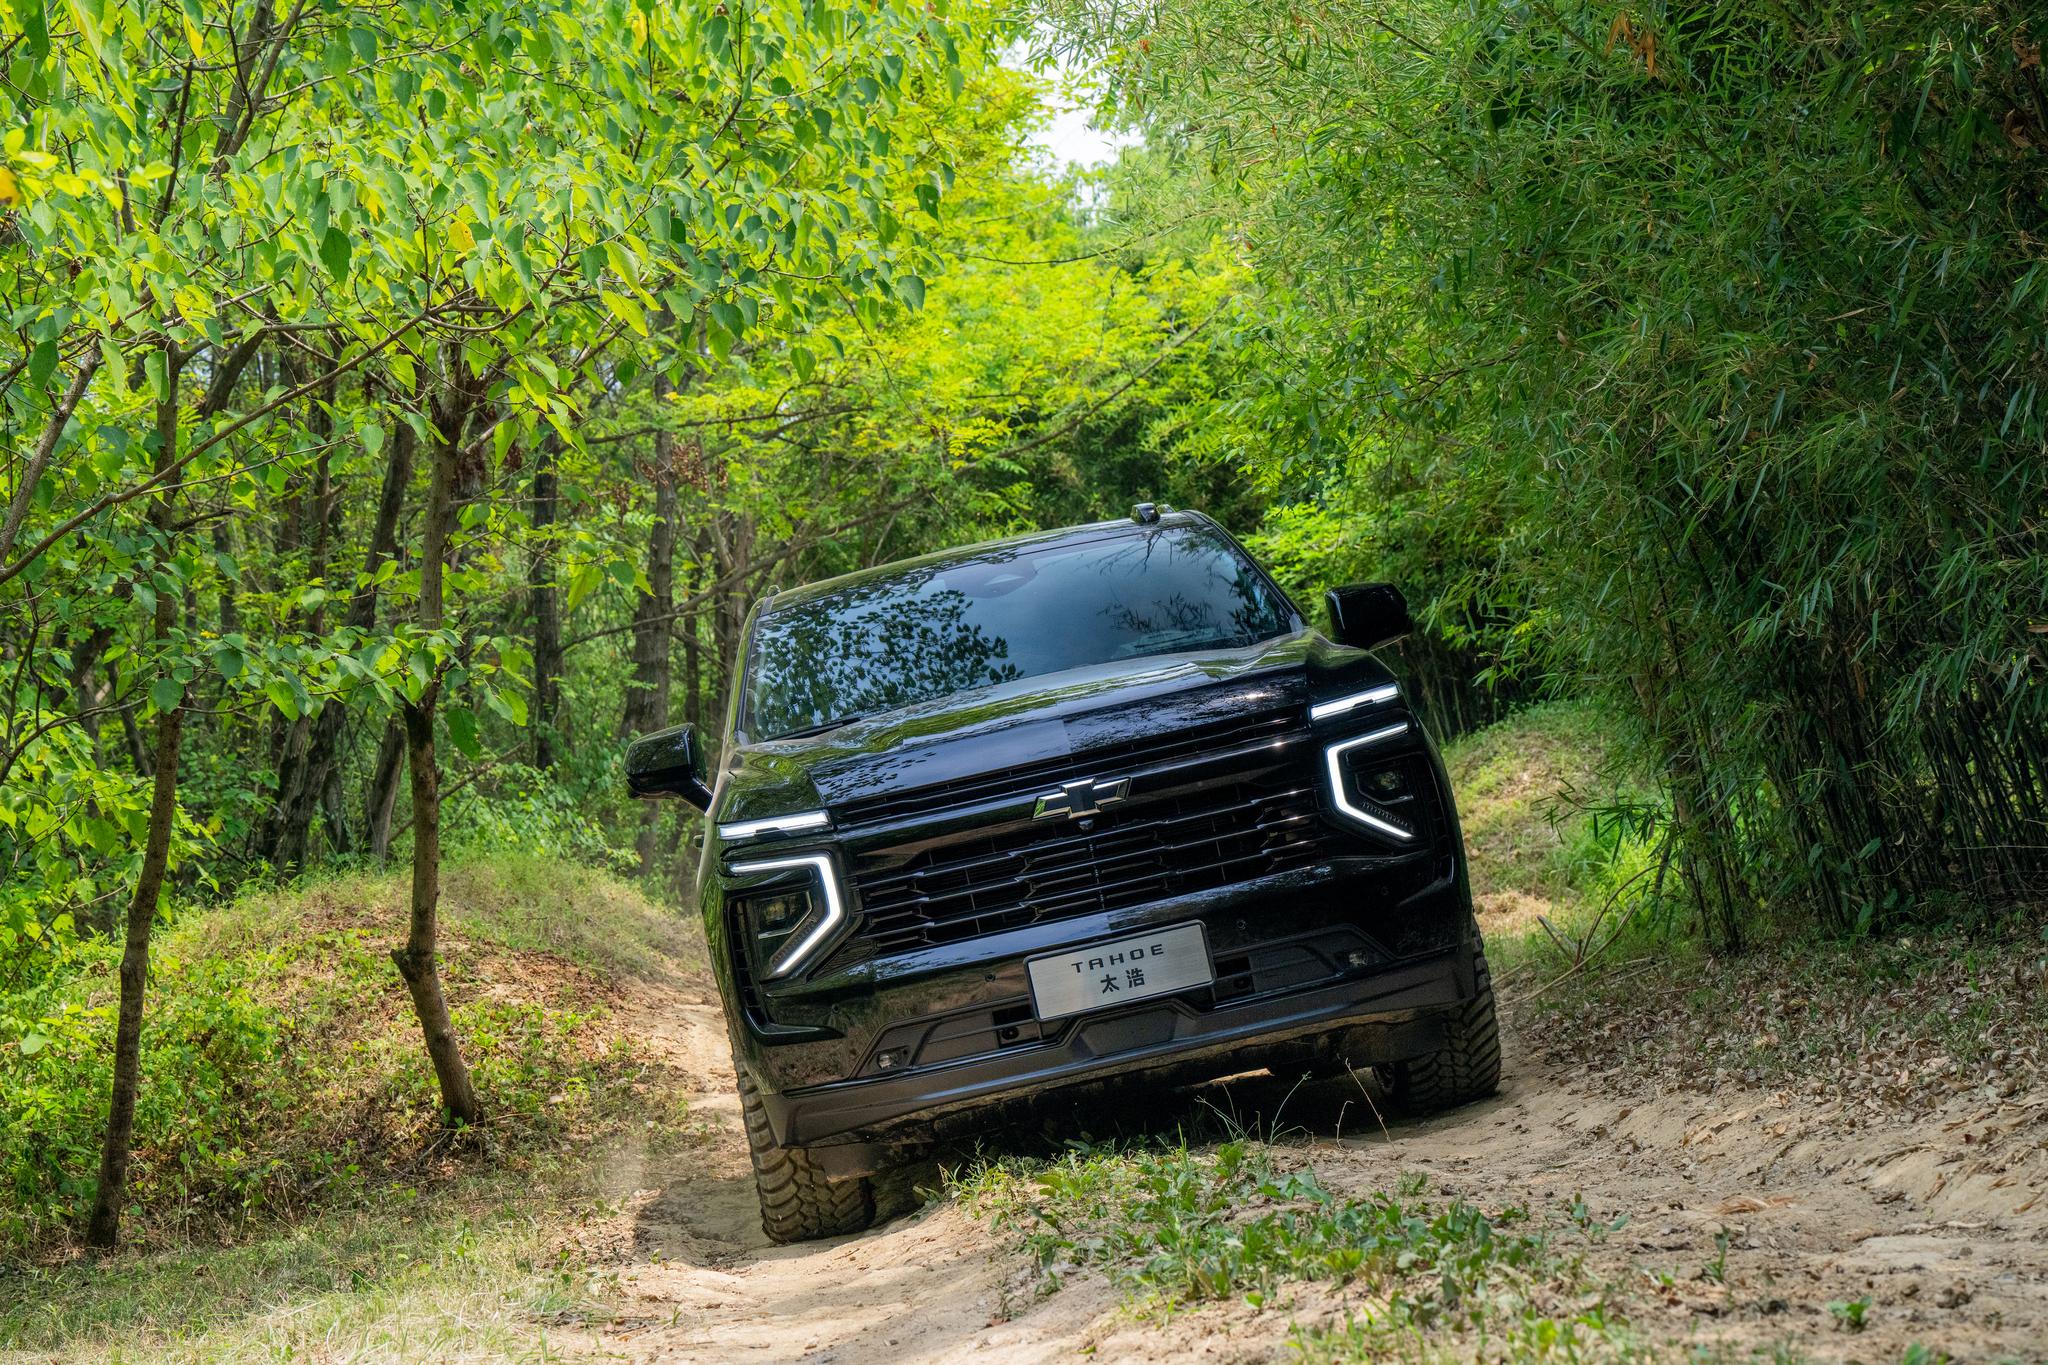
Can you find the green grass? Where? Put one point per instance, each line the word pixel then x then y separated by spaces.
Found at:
pixel 472 1271
pixel 1551 829
pixel 1419 1276
pixel 283 1070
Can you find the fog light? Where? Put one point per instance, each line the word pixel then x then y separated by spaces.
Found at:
pixel 892 1060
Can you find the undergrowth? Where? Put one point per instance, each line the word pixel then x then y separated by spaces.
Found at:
pixel 1604 963
pixel 282 1068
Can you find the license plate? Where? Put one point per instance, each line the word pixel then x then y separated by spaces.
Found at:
pixel 1116 970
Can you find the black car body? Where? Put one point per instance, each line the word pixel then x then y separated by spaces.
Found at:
pixel 1252 804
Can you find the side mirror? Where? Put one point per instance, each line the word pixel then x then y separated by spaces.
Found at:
pixel 1368 615
pixel 668 763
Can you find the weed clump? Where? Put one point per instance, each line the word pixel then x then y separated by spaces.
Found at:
pixel 1174 1228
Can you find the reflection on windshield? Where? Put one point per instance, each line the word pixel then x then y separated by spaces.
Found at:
pixel 909 637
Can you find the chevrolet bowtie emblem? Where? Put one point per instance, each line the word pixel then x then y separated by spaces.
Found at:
pixel 1085 797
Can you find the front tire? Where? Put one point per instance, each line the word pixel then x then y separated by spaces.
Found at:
pixel 1468 1066
pixel 798 1203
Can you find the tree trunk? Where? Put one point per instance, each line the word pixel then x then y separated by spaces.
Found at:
pixel 416 960
pixel 382 798
pixel 138 750
pixel 647 696
pixel 731 543
pixel 85 693
pixel 546 604
pixel 334 811
pixel 693 648
pixel 103 1229
pixel 224 546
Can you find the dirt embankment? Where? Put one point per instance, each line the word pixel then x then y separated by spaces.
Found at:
pixel 1755 1220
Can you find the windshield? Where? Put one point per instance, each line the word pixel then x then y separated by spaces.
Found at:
pixel 927 632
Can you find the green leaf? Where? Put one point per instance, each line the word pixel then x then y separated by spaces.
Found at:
pixel 42 362
pixel 229 661
pixel 372 437
pixel 280 694
pixel 911 290
pixel 335 249
pixel 510 705
pixel 167 693
pixel 625 310
pixel 805 364
pixel 32 1043
pixel 462 730
pixel 585 579
pixel 195 33
pixel 35 26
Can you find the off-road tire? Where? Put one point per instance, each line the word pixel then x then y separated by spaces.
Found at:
pixel 1468 1067
pixel 798 1204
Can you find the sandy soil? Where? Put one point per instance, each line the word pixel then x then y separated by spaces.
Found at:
pixel 1937 1218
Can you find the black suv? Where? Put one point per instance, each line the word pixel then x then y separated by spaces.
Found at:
pixel 1086 804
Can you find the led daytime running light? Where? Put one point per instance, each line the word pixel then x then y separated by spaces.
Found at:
pixel 1338 706
pixel 776 824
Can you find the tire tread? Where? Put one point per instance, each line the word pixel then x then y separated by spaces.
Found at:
pixel 1467 1068
pixel 798 1202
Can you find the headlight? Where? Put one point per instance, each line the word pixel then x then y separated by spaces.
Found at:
pixel 1364 790
pixel 790 920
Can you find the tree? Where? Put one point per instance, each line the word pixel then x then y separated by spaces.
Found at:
pixel 230 217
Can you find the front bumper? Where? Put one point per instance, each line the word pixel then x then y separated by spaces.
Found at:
pixel 1387 1015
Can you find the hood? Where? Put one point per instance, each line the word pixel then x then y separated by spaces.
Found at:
pixel 1052 716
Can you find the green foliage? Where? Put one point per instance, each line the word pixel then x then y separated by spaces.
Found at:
pixel 1565 843
pixel 259 262
pixel 1687 358
pixel 517 809
pixel 75 827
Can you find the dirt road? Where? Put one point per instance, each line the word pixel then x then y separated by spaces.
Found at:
pixel 1936 1220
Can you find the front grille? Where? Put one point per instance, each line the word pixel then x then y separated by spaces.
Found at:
pixel 1031 779
pixel 1194 841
